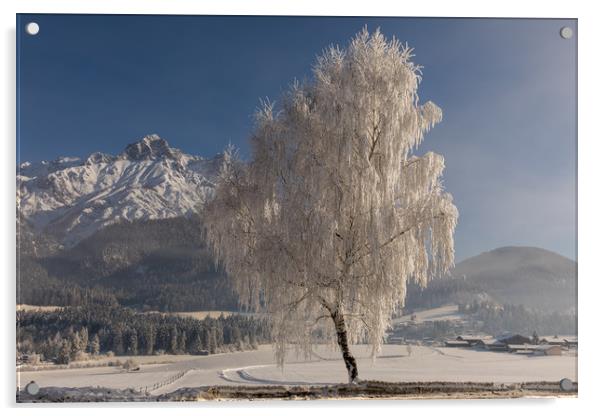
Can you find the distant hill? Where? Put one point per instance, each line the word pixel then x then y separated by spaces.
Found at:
pixel 529 276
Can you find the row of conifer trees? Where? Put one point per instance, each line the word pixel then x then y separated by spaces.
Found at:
pixel 73 333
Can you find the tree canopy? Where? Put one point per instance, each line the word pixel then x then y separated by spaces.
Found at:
pixel 334 212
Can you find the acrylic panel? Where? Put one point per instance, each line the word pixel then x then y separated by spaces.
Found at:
pixel 272 207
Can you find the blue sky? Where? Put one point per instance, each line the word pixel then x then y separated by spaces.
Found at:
pixel 507 88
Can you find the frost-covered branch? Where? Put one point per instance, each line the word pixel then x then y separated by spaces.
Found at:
pixel 334 213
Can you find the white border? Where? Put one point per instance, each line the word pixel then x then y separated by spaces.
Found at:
pixel 589 200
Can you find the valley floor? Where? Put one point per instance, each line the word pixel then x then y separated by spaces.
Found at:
pixel 396 363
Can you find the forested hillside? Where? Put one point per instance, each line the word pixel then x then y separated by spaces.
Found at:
pixel 150 265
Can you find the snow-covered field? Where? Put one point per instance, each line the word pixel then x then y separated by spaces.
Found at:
pixel 36 308
pixel 442 313
pixel 395 363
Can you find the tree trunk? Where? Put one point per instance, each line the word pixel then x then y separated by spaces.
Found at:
pixel 350 363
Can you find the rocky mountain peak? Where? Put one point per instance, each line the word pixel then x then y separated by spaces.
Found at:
pixel 151 147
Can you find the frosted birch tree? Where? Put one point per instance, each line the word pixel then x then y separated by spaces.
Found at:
pixel 334 213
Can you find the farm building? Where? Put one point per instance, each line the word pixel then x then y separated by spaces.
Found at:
pixel 457 344
pixel 489 343
pixel 552 340
pixel 492 345
pixel 501 343
pixel 514 343
pixel 535 349
pixel 571 341
pixel 566 341
pixel 515 339
pixel 548 350
pixel 522 348
pixel 473 339
pixel 391 339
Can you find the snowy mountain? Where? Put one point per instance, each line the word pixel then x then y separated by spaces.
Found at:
pixel 529 276
pixel 72 198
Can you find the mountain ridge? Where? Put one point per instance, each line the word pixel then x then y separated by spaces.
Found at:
pixel 129 224
pixel 72 198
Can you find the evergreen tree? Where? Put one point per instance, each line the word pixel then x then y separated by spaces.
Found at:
pixel 236 338
pixel 76 345
pixel 173 342
pixel 95 345
pixel 148 337
pixel 253 340
pixel 182 342
pixel 197 344
pixel 64 354
pixel 84 339
pixel 132 345
pixel 212 342
pixel 117 341
pixel 54 345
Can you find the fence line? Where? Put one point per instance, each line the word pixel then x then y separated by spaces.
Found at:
pixel 152 387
